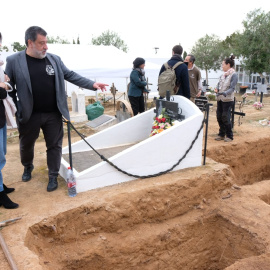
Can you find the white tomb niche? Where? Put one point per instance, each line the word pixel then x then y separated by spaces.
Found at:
pixel 78 113
pixel 128 145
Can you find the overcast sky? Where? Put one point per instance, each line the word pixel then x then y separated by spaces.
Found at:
pixel 142 24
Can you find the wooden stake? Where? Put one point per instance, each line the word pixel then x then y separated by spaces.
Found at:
pixel 7 253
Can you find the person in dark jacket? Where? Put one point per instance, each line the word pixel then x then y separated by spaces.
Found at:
pixel 137 86
pixel 41 101
pixel 4 199
pixel 181 72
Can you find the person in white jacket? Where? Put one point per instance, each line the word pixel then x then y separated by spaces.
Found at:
pixel 4 199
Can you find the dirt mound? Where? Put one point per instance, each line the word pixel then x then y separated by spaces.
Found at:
pixel 171 222
pixel 210 217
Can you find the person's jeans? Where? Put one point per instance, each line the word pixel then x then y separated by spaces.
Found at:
pixel 3 151
pixel 224 118
pixel 52 127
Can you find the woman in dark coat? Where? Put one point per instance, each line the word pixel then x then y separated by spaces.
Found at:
pixel 137 86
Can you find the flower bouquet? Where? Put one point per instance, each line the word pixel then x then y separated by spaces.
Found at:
pixel 161 123
pixel 257 105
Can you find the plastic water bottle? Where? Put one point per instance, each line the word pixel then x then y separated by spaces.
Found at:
pixel 71 183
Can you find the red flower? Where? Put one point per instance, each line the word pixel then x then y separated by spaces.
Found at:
pixel 163 119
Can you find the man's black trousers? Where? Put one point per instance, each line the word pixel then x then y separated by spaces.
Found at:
pixel 52 127
pixel 224 118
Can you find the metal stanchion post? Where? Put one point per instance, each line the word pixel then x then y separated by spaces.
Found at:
pixel 232 113
pixel 206 131
pixel 69 144
pixel 261 99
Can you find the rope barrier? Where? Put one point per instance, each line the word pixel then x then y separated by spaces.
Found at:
pixel 135 175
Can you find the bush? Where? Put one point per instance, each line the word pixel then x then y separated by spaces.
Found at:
pixel 211 97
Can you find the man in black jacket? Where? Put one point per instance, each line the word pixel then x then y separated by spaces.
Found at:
pixel 181 72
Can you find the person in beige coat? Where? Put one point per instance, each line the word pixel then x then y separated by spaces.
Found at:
pixel 225 99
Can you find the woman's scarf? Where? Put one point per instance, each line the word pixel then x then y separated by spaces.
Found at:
pixel 229 72
pixel 142 73
pixel 223 79
pixel 225 75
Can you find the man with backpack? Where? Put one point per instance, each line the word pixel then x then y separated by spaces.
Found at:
pixel 173 75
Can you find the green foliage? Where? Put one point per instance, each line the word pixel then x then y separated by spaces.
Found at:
pixel 4 48
pixel 108 38
pixel 209 53
pixel 254 41
pixel 211 97
pixel 184 55
pixel 18 47
pixel 56 40
pixel 231 44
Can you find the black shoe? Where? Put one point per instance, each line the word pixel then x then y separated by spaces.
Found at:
pixel 7 189
pixel 53 184
pixel 27 173
pixel 6 201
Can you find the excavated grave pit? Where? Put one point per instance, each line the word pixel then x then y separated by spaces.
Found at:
pixel 214 244
pixel 249 161
pixel 166 225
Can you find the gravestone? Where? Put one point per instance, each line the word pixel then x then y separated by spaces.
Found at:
pixel 171 108
pixel 78 113
pixel 102 122
pixel 262 89
pixel 113 91
pixel 123 110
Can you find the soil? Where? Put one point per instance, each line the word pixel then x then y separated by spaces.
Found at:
pixel 212 217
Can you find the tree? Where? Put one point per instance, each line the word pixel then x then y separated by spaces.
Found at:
pixel 184 55
pixel 4 48
pixel 18 47
pixel 255 41
pixel 78 40
pixel 110 38
pixel 56 40
pixel 231 44
pixel 208 52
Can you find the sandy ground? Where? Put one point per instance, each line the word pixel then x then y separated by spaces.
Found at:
pixel 210 217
